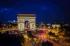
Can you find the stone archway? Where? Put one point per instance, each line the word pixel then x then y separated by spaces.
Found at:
pixel 26 24
pixel 29 19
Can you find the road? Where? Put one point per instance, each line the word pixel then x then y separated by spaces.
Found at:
pixel 29 43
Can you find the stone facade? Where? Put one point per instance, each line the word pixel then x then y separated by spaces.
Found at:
pixel 31 21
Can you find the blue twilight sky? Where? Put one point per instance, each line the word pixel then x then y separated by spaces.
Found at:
pixel 47 11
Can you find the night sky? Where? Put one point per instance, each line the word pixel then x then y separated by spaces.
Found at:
pixel 47 11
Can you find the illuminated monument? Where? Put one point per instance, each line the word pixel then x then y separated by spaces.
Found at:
pixel 26 21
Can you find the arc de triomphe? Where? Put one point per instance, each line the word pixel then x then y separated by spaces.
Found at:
pixel 26 21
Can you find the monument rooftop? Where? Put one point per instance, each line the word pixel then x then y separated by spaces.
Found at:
pixel 26 15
